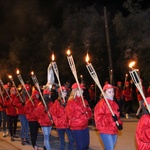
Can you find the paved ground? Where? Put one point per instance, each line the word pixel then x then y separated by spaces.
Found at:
pixel 126 139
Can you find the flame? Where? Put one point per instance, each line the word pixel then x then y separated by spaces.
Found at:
pixel 17 71
pixel 53 57
pixel 68 52
pixel 32 73
pixel 87 58
pixel 10 76
pixel 132 64
pixel 126 75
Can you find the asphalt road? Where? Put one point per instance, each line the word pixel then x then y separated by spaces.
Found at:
pixel 125 141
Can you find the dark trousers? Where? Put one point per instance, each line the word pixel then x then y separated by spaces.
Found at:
pixel 81 139
pixel 12 124
pixel 34 126
pixel 128 106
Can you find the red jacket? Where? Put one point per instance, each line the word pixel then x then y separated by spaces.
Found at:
pixel 42 115
pixel 143 133
pixel 18 104
pixel 59 115
pixel 127 93
pixel 78 114
pixel 103 117
pixel 1 104
pixel 148 92
pixel 29 109
pixel 10 108
pixel 92 94
pixel 118 93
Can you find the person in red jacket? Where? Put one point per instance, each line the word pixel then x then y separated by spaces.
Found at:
pixel 143 130
pixel 119 97
pixel 19 104
pixel 141 101
pixel 1 108
pixel 29 108
pixel 11 112
pixel 127 93
pixel 79 116
pixel 4 115
pixel 43 114
pixel 105 122
pixel 61 120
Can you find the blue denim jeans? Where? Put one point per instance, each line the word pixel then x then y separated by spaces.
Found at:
pixel 109 140
pixel 46 132
pixel 61 133
pixel 81 138
pixel 24 127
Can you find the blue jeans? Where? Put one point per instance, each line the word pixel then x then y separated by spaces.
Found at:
pixel 81 138
pixel 24 127
pixel 109 140
pixel 46 132
pixel 61 133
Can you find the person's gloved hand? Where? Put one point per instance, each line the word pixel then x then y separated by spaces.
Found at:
pixel 23 103
pixel 120 127
pixel 115 117
pixel 64 104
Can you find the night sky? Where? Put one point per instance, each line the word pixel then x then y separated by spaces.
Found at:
pixel 18 18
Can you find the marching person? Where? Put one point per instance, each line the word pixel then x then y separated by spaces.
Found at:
pixel 92 96
pixel 4 115
pixel 23 120
pixel 143 130
pixel 127 93
pixel 119 96
pixel 141 102
pixel 43 114
pixel 29 109
pixel 105 122
pixel 11 112
pixel 61 120
pixel 79 116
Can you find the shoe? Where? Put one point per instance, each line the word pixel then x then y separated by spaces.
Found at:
pixel 127 116
pixel 27 141
pixel 12 138
pixel 44 148
pixel 4 134
pixel 23 142
pixel 15 136
pixel 137 116
pixel 35 147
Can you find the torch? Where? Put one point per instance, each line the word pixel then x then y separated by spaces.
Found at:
pixel 11 78
pixel 137 81
pixel 22 82
pixel 93 74
pixel 55 68
pixel 73 69
pixel 35 81
pixel 1 82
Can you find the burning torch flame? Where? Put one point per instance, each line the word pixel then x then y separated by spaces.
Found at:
pixel 53 57
pixel 18 72
pixel 131 64
pixel 32 73
pixel 68 52
pixel 9 76
pixel 87 58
